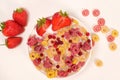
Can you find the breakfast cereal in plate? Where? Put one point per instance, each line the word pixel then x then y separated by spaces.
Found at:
pixel 62 52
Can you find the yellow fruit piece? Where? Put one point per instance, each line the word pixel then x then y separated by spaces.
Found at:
pixel 51 73
pixel 75 21
pixel 44 43
pixel 98 63
pixel 115 33
pixel 75 39
pixel 95 37
pixel 104 29
pixel 112 46
pixel 34 55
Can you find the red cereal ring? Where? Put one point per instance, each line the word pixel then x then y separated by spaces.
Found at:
pixel 96 12
pixel 110 38
pixel 85 12
pixel 101 21
pixel 96 28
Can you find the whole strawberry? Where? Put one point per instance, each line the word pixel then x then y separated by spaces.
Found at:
pixel 20 15
pixel 42 25
pixel 10 28
pixel 60 20
pixel 13 42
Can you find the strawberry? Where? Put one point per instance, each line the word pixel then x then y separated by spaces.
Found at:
pixel 10 28
pixel 13 42
pixel 20 15
pixel 60 20
pixel 42 25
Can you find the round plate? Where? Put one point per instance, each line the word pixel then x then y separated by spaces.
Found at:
pixel 63 52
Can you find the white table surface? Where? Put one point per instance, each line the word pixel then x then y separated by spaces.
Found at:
pixel 15 63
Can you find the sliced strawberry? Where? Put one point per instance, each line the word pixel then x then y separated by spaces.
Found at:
pixel 10 28
pixel 60 20
pixel 20 15
pixel 13 42
pixel 42 25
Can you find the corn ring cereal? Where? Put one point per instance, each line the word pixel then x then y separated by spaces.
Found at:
pixel 98 63
pixel 115 33
pixel 112 46
pixel 95 37
pixel 104 29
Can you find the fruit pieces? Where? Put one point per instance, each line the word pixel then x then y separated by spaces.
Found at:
pixel 20 15
pixel 85 12
pixel 112 46
pixel 13 42
pixel 96 12
pixel 59 20
pixel 98 63
pixel 42 25
pixel 10 28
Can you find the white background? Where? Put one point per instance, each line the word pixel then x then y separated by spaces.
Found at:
pixel 16 65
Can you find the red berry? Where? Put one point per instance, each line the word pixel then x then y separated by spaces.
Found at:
pixel 87 33
pixel 10 28
pixel 42 26
pixel 60 20
pixel 20 16
pixel 13 42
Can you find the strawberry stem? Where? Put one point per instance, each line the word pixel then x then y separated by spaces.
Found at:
pixel 2 25
pixel 2 44
pixel 19 10
pixel 63 13
pixel 41 21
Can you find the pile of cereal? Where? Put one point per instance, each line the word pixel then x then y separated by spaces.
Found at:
pixel 62 53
